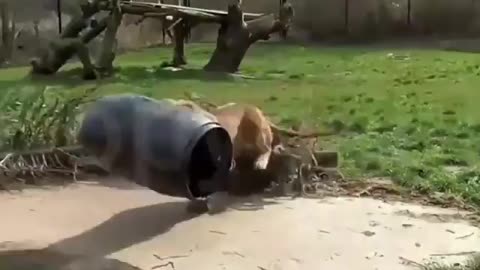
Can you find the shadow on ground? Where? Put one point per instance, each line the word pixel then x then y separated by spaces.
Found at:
pixel 127 74
pixel 72 78
pixel 88 250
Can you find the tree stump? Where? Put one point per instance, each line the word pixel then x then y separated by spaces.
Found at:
pixel 109 45
pixel 235 36
pixel 180 32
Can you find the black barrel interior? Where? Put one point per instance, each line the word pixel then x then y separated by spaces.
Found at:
pixel 210 161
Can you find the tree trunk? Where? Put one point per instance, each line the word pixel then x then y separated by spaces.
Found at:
pixel 8 33
pixel 4 14
pixel 36 29
pixel 109 46
pixel 179 33
pixel 235 37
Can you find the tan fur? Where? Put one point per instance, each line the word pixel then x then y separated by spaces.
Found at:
pixel 250 132
pixel 191 106
pixel 253 134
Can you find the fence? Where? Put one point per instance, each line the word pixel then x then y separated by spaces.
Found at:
pixel 320 19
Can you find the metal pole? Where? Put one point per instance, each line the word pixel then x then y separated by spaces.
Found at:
pixel 346 14
pixel 59 15
pixel 283 33
pixel 164 21
pixel 186 23
pixel 409 13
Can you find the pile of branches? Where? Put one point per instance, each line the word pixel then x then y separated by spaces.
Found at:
pixel 44 122
pixel 33 166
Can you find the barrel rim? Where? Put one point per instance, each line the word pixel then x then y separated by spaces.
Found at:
pixel 206 127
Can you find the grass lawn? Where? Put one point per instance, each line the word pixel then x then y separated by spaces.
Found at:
pixel 405 114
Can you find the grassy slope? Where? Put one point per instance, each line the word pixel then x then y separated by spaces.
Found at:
pixel 403 118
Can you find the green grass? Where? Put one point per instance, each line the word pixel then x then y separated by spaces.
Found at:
pixel 404 114
pixel 472 263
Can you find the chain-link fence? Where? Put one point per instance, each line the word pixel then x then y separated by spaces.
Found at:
pixel 373 18
pixel 324 19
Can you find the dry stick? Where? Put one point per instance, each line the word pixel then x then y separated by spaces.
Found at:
pixel 439 217
pixel 464 253
pixel 170 257
pixel 176 7
pixel 233 253
pixel 5 159
pixel 74 159
pixel 164 265
pixel 39 163
pixel 174 24
pixel 410 262
pixel 71 148
pixel 312 155
pixel 217 232
pixel 465 236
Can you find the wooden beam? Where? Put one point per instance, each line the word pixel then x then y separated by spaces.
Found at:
pixel 160 14
pixel 174 24
pixel 160 6
pixel 155 14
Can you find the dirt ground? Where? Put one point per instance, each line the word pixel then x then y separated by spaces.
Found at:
pixel 117 225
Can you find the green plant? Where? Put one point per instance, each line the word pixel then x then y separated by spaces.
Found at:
pixel 39 118
pixel 472 264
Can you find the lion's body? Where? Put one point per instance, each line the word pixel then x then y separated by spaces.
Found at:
pixel 247 126
pixel 190 105
pixel 255 138
pixel 250 132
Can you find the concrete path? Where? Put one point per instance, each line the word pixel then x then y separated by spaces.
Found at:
pixel 82 225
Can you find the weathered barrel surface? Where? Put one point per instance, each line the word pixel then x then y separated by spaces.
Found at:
pixel 157 145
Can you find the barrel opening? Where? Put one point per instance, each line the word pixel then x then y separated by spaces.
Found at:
pixel 210 160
